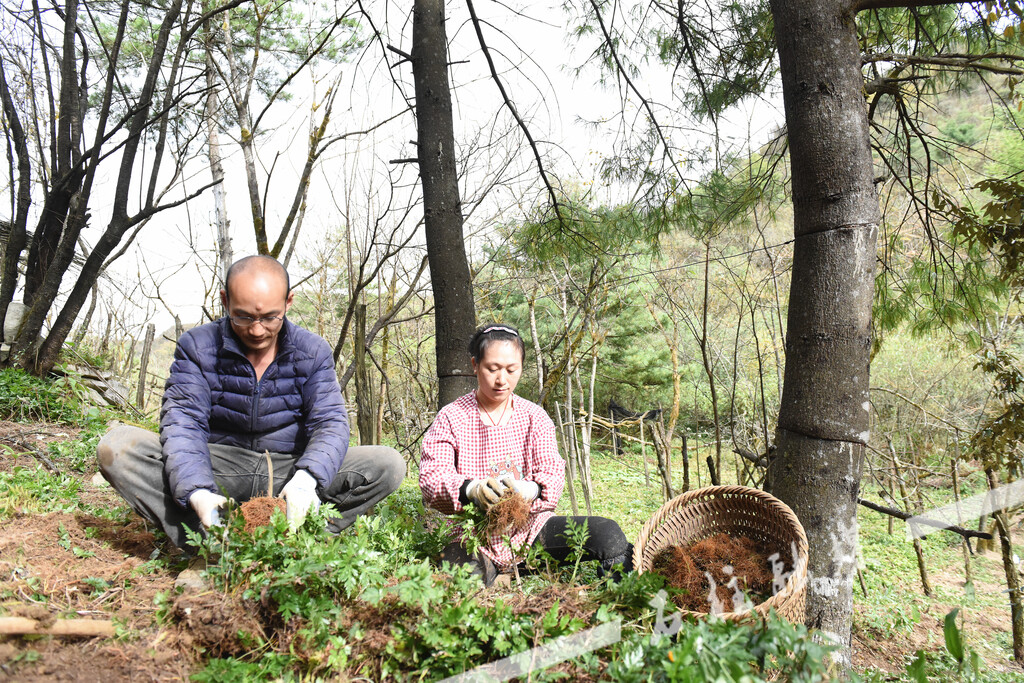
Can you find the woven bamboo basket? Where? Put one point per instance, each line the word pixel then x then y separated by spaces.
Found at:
pixel 735 511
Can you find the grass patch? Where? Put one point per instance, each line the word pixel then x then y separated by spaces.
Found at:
pixel 33 491
pixel 26 397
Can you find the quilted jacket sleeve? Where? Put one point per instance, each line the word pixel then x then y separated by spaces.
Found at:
pixel 326 419
pixel 185 424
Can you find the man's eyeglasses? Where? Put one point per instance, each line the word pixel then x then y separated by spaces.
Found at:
pixel 245 321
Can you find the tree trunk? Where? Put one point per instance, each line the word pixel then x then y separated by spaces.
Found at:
pixel 922 568
pixel 709 369
pixel 1013 582
pixel 382 397
pixel 454 311
pixel 365 413
pixel 84 327
pixel 40 360
pixel 239 88
pixel 965 543
pixel 105 344
pixel 220 212
pixel 570 470
pixel 664 454
pixel 686 466
pixel 823 420
pixel 147 348
pixel 16 236
pixel 67 178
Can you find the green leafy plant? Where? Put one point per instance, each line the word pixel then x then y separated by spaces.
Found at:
pixel 967 660
pixel 716 650
pixel 26 397
pixel 958 662
pixel 577 536
pixel 369 602
pixel 886 618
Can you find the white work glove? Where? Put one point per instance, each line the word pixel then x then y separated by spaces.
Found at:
pixel 485 492
pixel 529 490
pixel 300 495
pixel 207 505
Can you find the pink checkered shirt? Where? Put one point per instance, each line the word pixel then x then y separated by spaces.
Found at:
pixel 460 446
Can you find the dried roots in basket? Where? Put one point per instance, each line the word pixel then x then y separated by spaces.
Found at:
pixel 736 564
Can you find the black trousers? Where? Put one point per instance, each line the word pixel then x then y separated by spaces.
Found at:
pixel 605 543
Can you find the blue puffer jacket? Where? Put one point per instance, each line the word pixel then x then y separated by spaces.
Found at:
pixel 212 397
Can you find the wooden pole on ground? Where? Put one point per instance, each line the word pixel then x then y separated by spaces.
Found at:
pixel 80 628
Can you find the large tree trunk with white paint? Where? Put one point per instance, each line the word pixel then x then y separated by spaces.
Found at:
pixel 454 309
pixel 823 419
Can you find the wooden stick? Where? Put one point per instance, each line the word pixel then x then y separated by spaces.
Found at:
pixel 570 471
pixel 643 454
pixel 270 474
pixel 80 628
pixel 712 472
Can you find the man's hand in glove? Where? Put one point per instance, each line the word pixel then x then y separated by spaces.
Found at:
pixel 207 505
pixel 485 492
pixel 529 490
pixel 300 495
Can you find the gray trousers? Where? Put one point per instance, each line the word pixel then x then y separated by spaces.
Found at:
pixel 131 459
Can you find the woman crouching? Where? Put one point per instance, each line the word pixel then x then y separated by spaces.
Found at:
pixel 491 440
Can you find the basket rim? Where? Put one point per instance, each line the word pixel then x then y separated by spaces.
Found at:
pixel 797 581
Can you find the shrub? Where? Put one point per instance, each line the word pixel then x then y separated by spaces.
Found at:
pixel 369 603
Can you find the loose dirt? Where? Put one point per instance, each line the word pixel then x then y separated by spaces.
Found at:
pixel 65 565
pixel 218 623
pixel 76 565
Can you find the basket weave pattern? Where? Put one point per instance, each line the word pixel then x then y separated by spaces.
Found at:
pixel 735 511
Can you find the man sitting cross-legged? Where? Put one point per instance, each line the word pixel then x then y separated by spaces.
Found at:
pixel 249 383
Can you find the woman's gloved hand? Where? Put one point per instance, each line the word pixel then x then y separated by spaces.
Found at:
pixel 529 490
pixel 485 492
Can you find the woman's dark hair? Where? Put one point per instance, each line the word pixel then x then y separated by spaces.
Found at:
pixel 488 334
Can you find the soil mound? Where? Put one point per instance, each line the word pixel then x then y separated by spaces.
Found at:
pixel 738 566
pixel 214 622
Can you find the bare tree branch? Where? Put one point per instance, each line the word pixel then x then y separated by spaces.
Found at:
pixel 515 114
pixel 899 514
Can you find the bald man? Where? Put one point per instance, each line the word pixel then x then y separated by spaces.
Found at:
pixel 248 384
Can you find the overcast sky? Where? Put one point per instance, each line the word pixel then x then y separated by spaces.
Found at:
pixel 536 60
